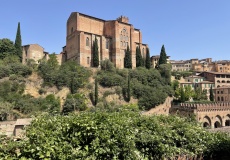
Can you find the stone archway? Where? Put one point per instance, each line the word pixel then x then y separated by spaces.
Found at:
pixel 206 122
pixel 227 120
pixel 218 122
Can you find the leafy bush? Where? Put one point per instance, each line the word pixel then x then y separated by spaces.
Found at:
pixel 74 102
pixel 107 65
pixel 4 71
pixel 42 91
pixel 108 79
pixel 122 134
pixel 20 69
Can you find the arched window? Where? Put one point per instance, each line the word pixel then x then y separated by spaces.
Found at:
pixel 87 41
pixel 218 98
pixel 222 98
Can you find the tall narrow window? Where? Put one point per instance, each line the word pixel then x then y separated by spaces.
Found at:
pixel 72 30
pixel 87 41
pixel 88 61
pixel 107 43
pixel 143 51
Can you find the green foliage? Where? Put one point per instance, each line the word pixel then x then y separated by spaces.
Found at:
pixel 182 95
pixel 69 74
pixel 6 48
pixel 128 90
pixel 20 69
pixel 108 79
pixel 165 71
pixel 95 53
pixel 4 71
pixel 122 134
pixel 139 59
pixel 183 74
pixel 175 84
pixel 128 58
pixel 51 104
pixel 31 63
pixel 74 102
pixel 96 92
pixel 147 60
pixel 107 65
pixel 18 43
pixel 211 96
pixel 41 91
pixel 163 56
pixel 200 94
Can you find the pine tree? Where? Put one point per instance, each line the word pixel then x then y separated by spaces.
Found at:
pixel 163 56
pixel 147 60
pixel 127 59
pixel 128 90
pixel 211 96
pixel 139 59
pixel 18 43
pixel 95 53
pixel 96 92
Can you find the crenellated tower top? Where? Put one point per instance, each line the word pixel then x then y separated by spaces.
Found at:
pixel 123 19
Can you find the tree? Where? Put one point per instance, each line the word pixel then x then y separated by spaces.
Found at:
pixel 165 71
pixel 52 62
pixel 147 60
pixel 18 43
pixel 211 96
pixel 74 102
pixel 6 48
pixel 128 90
pixel 127 59
pixel 163 56
pixel 139 59
pixel 182 95
pixel 96 92
pixel 95 53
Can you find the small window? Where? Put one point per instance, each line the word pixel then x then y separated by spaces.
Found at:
pixel 143 51
pixel 107 43
pixel 72 30
pixel 88 61
pixel 87 41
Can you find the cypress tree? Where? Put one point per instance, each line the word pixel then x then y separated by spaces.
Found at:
pixel 182 95
pixel 163 56
pixel 95 53
pixel 128 90
pixel 96 92
pixel 18 43
pixel 127 59
pixel 147 60
pixel 139 59
pixel 211 96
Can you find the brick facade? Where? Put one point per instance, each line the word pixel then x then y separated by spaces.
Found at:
pixel 113 37
pixel 212 115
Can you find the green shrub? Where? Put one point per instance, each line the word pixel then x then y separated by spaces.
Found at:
pixel 42 91
pixel 107 93
pixel 20 69
pixel 74 102
pixel 110 79
pixel 4 71
pixel 122 134
pixel 107 65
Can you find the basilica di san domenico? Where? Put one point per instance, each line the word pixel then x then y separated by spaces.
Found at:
pixel 113 38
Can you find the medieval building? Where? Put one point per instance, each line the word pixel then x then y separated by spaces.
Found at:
pixel 113 37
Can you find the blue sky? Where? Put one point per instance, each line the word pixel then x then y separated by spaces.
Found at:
pixel 188 29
